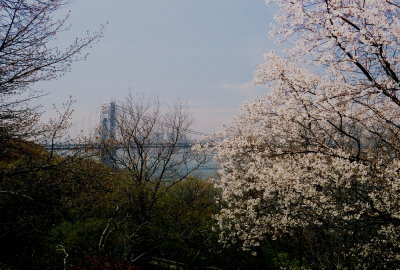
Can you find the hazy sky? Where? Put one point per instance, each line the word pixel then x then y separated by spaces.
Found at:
pixel 200 51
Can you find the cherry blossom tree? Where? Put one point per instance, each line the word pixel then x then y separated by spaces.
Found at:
pixel 318 157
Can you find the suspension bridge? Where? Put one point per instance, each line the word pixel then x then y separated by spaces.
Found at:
pixel 106 131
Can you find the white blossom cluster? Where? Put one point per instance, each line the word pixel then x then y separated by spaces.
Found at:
pixel 322 149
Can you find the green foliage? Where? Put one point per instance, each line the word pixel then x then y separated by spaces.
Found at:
pixel 184 218
pixel 77 210
pixel 38 195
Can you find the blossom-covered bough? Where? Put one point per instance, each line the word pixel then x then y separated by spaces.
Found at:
pixel 319 156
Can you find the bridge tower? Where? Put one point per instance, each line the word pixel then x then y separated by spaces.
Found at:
pixel 108 133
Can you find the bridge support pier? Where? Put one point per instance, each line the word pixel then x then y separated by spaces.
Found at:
pixel 108 134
